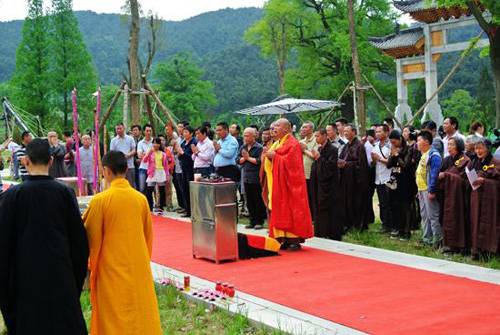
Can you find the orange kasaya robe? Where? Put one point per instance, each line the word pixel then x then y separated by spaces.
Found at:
pixel 120 234
pixel 290 214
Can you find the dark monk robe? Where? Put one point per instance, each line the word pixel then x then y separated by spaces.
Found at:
pixel 453 198
pixel 485 206
pixel 324 180
pixel 43 259
pixel 356 203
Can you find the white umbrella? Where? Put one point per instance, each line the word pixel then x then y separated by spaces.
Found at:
pixel 289 105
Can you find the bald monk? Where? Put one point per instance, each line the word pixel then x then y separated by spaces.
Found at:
pixel 119 230
pixel 290 221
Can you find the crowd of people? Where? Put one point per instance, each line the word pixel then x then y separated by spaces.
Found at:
pixel 419 176
pixel 320 182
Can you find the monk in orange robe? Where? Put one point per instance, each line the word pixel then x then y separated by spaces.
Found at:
pixel 290 221
pixel 119 230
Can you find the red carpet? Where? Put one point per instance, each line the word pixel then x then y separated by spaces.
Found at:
pixel 370 296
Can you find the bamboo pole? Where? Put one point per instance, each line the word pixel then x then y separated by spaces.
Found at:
pixel 471 47
pixel 112 105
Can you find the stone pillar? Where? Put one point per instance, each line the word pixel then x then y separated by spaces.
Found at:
pixel 433 109
pixel 403 110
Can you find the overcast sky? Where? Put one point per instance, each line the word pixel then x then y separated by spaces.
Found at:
pixel 168 9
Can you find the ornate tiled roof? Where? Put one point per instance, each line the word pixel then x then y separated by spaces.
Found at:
pixel 404 43
pixel 429 13
pixel 411 6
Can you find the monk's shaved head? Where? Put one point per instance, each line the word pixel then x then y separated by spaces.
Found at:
pixel 285 123
pixel 283 127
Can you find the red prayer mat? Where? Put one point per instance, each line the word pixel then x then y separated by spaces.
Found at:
pixel 371 296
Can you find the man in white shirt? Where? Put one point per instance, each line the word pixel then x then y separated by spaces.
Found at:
pixel 14 166
pixel 126 144
pixel 450 127
pixel 380 156
pixel 203 153
pixel 143 148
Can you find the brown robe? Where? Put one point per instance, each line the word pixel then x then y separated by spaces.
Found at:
pixel 325 180
pixel 485 206
pixel 356 202
pixel 453 198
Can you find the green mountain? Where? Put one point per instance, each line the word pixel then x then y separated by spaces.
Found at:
pixel 241 77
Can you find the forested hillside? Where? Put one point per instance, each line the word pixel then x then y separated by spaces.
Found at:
pixel 239 74
pixel 214 40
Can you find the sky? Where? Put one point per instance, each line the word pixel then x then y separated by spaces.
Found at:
pixel 174 10
pixel 168 9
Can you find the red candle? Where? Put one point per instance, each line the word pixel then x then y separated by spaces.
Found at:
pixel 218 287
pixel 230 291
pixel 224 288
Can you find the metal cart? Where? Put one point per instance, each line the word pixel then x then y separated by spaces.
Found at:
pixel 214 220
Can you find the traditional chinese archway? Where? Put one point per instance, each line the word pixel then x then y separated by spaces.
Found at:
pixel 417 50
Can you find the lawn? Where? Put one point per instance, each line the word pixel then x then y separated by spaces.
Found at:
pixel 181 316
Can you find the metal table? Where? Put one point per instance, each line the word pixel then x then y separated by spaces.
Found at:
pixel 214 220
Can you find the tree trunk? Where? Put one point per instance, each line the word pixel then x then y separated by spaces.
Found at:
pixel 135 76
pixel 360 95
pixel 282 78
pixel 495 65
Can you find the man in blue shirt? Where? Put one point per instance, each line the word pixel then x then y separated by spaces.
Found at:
pixel 226 151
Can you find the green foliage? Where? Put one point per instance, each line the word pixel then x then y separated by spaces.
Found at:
pixel 462 106
pixel 31 79
pixel 493 6
pixel 183 89
pixel 486 99
pixel 72 65
pixel 323 51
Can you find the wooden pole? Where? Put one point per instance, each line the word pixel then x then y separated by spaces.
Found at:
pixel 125 107
pixel 333 109
pixel 162 106
pixel 471 47
pixel 149 110
pixel 384 103
pixel 112 105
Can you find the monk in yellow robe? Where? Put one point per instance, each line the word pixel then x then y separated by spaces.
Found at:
pixel 119 229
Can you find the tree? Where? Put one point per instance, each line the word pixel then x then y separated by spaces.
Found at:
pixel 72 65
pixel 275 34
pixel 324 66
pixel 486 99
pixel 360 96
pixel 183 90
pixel 133 61
pixel 491 27
pixel 31 79
pixel 462 106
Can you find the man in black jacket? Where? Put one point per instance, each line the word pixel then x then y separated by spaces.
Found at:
pixel 43 253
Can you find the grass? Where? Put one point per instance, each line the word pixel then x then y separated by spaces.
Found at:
pixel 181 316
